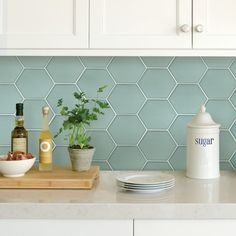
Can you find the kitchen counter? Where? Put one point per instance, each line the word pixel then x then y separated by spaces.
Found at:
pixel 189 199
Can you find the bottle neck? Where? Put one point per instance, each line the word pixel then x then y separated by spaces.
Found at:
pixel 19 121
pixel 45 122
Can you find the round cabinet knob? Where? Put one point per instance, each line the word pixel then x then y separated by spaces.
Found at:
pixel 199 28
pixel 185 28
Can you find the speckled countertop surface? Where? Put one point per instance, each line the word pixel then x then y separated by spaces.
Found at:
pixel 189 199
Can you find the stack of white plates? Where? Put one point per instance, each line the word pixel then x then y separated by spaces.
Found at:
pixel 146 182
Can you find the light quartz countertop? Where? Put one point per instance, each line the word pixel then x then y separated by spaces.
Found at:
pixel 189 199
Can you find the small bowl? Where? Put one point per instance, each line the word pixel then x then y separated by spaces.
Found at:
pixel 15 168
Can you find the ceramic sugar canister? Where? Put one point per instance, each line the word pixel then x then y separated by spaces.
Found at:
pixel 203 147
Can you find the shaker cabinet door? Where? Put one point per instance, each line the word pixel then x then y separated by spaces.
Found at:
pixel 214 24
pixel 55 227
pixel 184 227
pixel 140 24
pixel 43 24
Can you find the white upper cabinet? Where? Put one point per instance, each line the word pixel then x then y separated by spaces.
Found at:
pixel 44 24
pixel 140 24
pixel 118 27
pixel 214 24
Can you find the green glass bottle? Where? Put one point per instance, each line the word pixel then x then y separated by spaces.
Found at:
pixel 19 135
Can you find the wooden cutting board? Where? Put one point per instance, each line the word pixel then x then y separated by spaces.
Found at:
pixel 59 178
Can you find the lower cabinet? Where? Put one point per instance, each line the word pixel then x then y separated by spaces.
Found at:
pixel 184 227
pixel 66 227
pixel 28 227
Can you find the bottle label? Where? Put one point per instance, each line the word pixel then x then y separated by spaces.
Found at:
pixel 45 151
pixel 19 144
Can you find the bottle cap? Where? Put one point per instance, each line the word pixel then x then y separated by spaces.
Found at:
pixel 19 109
pixel 203 120
pixel 45 110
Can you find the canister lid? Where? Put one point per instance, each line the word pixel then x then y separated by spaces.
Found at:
pixel 203 120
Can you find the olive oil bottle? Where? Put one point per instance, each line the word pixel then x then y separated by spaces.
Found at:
pixel 19 135
pixel 45 144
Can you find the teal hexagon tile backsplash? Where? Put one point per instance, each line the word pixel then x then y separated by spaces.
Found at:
pixel 178 159
pixel 103 121
pixel 233 67
pixel 157 114
pixel 233 160
pixel 34 62
pixel 187 98
pixel 128 104
pixel 126 130
pixel 157 165
pixel 65 69
pixel 7 125
pixel 225 165
pixel 179 128
pixel 218 83
pixel 10 69
pixel 95 62
pixel 227 145
pixel 33 113
pixel 66 92
pixel 218 62
pixel 233 99
pixel 5 149
pixel 92 79
pixel 126 69
pixel 103 144
pixel 157 61
pixel 61 156
pixel 127 158
pixel 157 145
pixel 102 164
pixel 151 101
pixel 222 112
pixel 187 69
pixel 157 83
pixel 33 143
pixel 55 125
pixel 34 84
pixel 233 129
pixel 8 103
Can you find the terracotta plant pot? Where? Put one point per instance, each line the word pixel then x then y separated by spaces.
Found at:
pixel 81 159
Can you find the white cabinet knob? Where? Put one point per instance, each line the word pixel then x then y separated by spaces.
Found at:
pixel 185 28
pixel 199 28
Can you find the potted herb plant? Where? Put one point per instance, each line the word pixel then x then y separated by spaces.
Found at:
pixel 84 112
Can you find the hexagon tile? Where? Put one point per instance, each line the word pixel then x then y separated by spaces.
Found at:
pixel 187 69
pixel 157 114
pixel 128 104
pixel 65 69
pixel 151 98
pixel 34 84
pixel 218 83
pixel 126 130
pixel 92 79
pixel 126 69
pixel 157 83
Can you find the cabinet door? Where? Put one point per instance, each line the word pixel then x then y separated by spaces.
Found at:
pixel 137 24
pixel 214 24
pixel 43 24
pixel 184 227
pixel 66 227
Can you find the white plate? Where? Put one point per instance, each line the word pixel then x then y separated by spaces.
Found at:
pixel 146 190
pixel 145 186
pixel 146 178
pixel 148 185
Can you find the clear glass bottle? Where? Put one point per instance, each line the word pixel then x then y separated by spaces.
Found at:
pixel 45 144
pixel 19 135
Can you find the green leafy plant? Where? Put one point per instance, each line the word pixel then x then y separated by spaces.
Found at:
pixel 84 112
